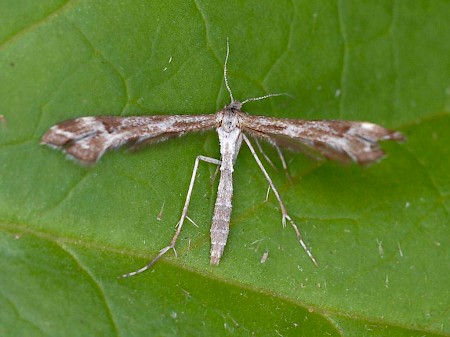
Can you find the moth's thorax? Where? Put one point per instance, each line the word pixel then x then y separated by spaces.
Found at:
pixel 230 117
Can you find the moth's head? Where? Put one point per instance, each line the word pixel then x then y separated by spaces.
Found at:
pixel 234 106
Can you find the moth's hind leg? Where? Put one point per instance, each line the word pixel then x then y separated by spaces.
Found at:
pixel 163 251
pixel 284 214
pixel 280 155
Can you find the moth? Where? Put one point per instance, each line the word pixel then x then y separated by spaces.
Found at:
pixel 86 139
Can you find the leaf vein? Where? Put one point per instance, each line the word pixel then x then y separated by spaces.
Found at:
pixel 95 282
pixel 344 57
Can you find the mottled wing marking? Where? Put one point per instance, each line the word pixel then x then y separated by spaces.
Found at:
pixel 86 139
pixel 344 141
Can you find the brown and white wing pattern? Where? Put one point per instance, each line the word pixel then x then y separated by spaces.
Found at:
pixel 344 141
pixel 87 138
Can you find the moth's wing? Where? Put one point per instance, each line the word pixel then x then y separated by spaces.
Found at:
pixel 344 141
pixel 287 143
pixel 86 139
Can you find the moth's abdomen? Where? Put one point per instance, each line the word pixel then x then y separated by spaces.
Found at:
pixel 222 215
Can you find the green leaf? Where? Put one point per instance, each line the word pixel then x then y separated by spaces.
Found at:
pixel 380 234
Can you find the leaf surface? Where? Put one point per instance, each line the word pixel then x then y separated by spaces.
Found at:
pixel 380 234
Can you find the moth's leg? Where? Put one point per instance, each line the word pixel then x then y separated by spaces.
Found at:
pixel 280 155
pixel 269 180
pixel 283 162
pixel 266 157
pixel 267 194
pixel 284 213
pixel 180 222
pixel 213 178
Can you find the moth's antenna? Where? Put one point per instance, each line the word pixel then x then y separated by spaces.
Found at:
pixel 225 72
pixel 265 96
